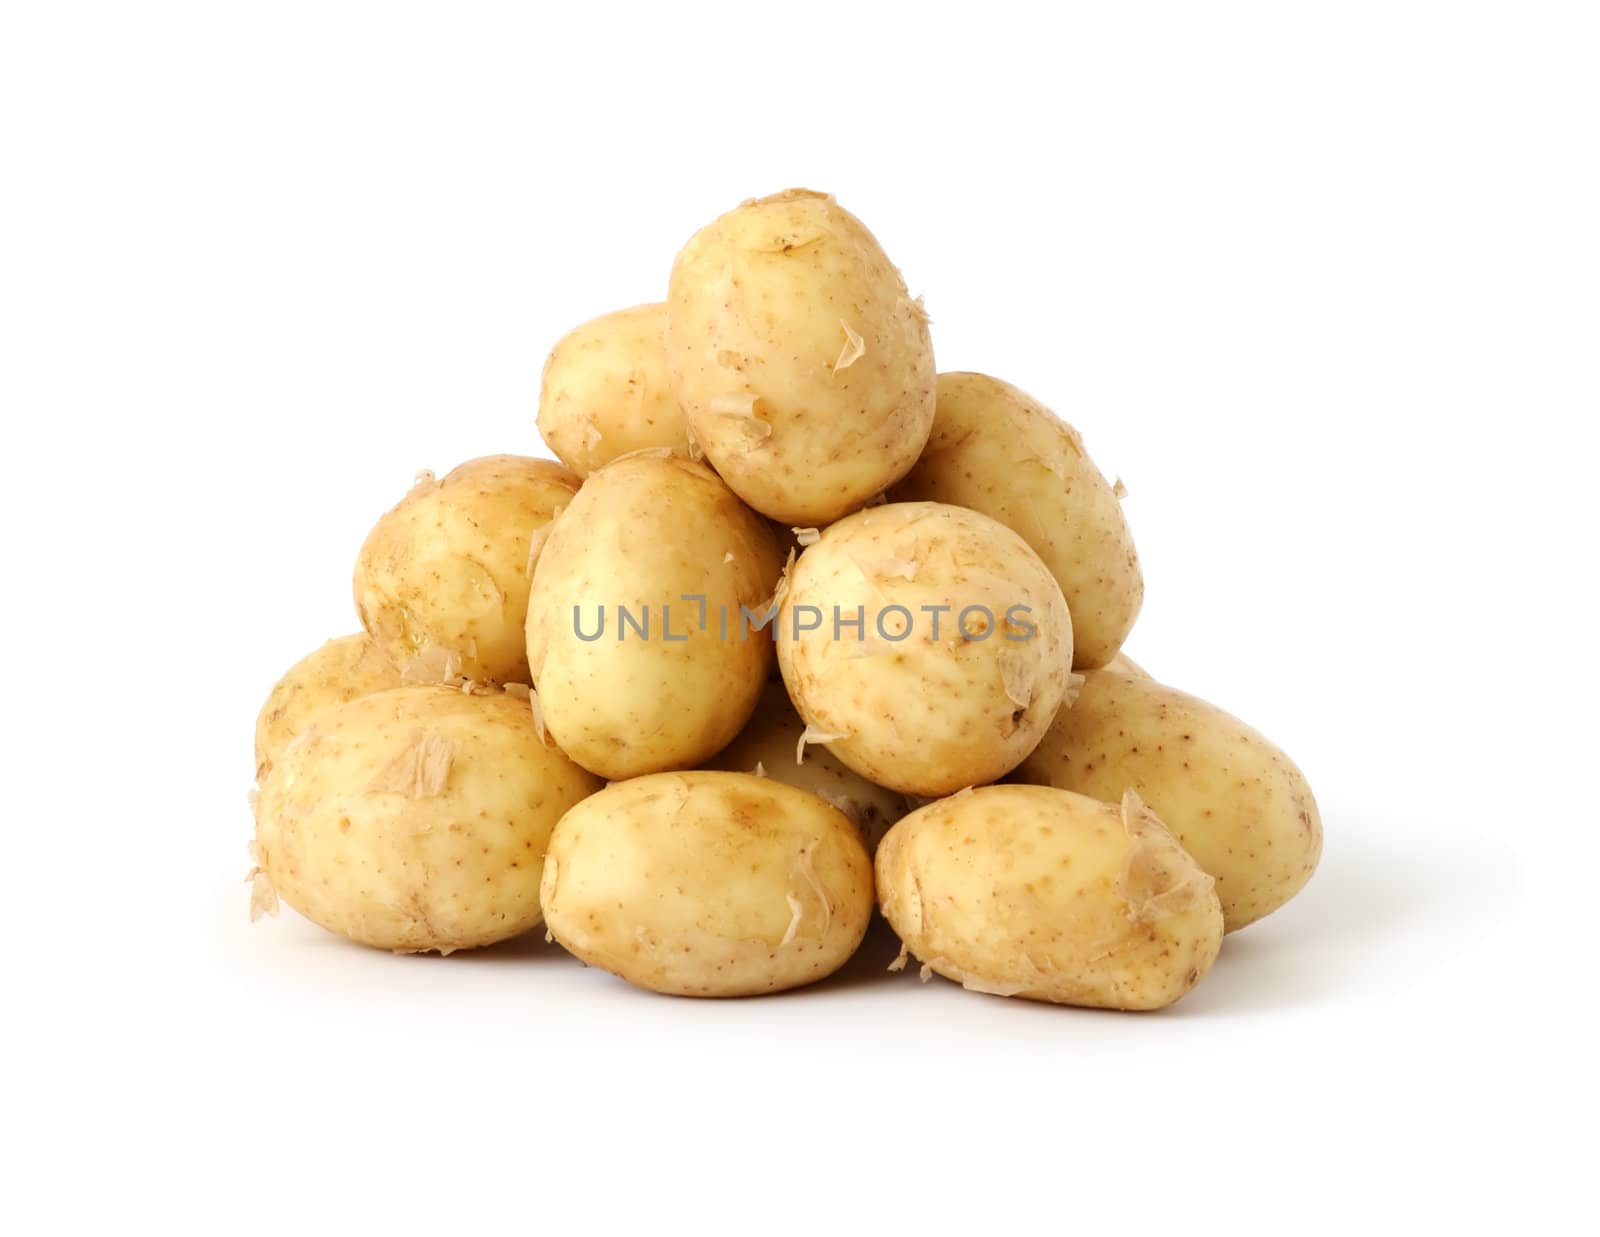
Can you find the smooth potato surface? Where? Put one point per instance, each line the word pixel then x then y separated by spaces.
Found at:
pixel 1235 801
pixel 605 391
pixel 804 366
pixel 770 742
pixel 1040 893
pixel 646 534
pixel 997 450
pixel 416 819
pixel 442 581
pixel 911 703
pixel 342 669
pixel 708 884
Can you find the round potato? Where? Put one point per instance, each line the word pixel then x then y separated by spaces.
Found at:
pixel 340 670
pixel 636 631
pixel 770 746
pixel 804 367
pixel 1235 802
pixel 926 645
pixel 708 884
pixel 999 451
pixel 442 581
pixel 414 819
pixel 1040 893
pixel 605 391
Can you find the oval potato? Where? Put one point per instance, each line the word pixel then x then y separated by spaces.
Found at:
pixel 441 583
pixel 708 884
pixel 1040 893
pixel 649 534
pixel 605 391
pixel 910 703
pixel 415 819
pixel 804 366
pixel 1235 802
pixel 342 669
pixel 770 744
pixel 998 450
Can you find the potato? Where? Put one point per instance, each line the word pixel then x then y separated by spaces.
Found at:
pixel 1235 802
pixel 1123 664
pixel 804 367
pixel 999 451
pixel 708 884
pixel 605 391
pixel 1040 893
pixel 658 540
pixel 910 702
pixel 340 670
pixel 414 819
pixel 770 744
pixel 442 581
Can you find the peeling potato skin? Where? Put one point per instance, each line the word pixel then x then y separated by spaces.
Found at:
pixel 443 577
pixel 454 868
pixel 756 308
pixel 1235 801
pixel 1017 891
pixel 606 392
pixel 924 717
pixel 997 450
pixel 708 884
pixel 646 530
pixel 770 739
pixel 343 669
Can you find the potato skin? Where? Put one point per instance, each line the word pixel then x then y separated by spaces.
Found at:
pixel 441 583
pixel 342 669
pixel 770 740
pixel 998 450
pixel 1235 802
pixel 764 310
pixel 606 392
pixel 1039 893
pixel 416 819
pixel 1123 664
pixel 708 884
pixel 925 715
pixel 650 530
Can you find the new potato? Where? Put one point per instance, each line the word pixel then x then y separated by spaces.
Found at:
pixel 441 583
pixel 999 451
pixel 708 884
pixel 415 819
pixel 340 670
pixel 658 539
pixel 1237 803
pixel 605 391
pixel 802 363
pixel 908 701
pixel 770 742
pixel 1040 893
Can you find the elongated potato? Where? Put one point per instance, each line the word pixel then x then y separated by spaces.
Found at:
pixel 414 819
pixel 342 669
pixel 442 581
pixel 1237 803
pixel 926 645
pixel 1039 893
pixel 804 367
pixel 999 451
pixel 634 632
pixel 605 391
pixel 708 884
pixel 770 744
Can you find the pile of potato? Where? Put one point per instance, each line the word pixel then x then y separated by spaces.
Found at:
pixel 800 629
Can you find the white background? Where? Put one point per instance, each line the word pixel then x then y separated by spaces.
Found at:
pixel 1320 282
